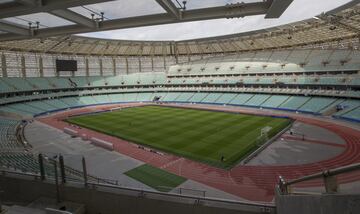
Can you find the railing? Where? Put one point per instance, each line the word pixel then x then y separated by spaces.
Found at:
pixel 80 174
pixel 330 182
pixel 91 177
pixel 253 207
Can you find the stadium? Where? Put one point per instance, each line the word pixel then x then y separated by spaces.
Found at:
pixel 261 121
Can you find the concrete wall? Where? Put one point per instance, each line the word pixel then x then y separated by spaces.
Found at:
pixel 318 204
pixel 104 200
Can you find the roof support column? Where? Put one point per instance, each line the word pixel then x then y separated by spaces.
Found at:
pixel 139 64
pixel 170 8
pixel 114 66
pixel 164 58
pixel 22 64
pixel 41 66
pixel 127 65
pixel 101 67
pixel 176 53
pixel 3 65
pixel 152 63
pixel 87 73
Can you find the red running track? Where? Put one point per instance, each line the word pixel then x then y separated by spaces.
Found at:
pixel 255 183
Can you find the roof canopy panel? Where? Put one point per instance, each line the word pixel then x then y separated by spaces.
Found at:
pixel 82 16
pixel 339 27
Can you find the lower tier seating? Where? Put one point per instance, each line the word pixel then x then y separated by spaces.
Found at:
pixel 307 104
pixel 23 161
pixel 8 139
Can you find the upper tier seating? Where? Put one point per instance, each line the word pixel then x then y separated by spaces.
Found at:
pixel 60 82
pixel 52 83
pixel 272 61
pixel 18 84
pixel 40 83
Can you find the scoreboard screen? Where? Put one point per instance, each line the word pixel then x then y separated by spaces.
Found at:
pixel 66 65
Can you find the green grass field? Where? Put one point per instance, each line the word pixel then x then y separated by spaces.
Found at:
pixel 200 135
pixel 156 178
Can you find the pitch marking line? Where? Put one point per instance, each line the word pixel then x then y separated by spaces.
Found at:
pixel 171 163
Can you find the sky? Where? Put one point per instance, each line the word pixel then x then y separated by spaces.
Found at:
pixel 297 11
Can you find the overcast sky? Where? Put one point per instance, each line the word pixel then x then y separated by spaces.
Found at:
pixel 298 10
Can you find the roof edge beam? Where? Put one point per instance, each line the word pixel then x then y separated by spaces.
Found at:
pixel 237 11
pixel 30 2
pixel 45 6
pixel 277 8
pixel 13 28
pixel 170 8
pixel 75 17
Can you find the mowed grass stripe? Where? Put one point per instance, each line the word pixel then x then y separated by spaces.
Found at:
pixel 196 134
pixel 156 178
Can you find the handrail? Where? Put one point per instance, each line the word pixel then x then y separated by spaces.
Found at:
pixel 91 177
pixel 78 173
pixel 284 185
pixel 145 192
pixel 330 172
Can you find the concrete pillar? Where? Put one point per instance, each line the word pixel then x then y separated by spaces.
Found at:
pixel 152 63
pixel 114 66
pixel 22 64
pixel 127 65
pixel 57 74
pixel 62 169
pixel 176 53
pixel 3 65
pixel 84 171
pixel 101 67
pixel 41 167
pixel 139 65
pixel 41 67
pixel 87 73
pixel 165 63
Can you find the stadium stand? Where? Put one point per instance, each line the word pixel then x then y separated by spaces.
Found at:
pixel 307 67
pixel 8 138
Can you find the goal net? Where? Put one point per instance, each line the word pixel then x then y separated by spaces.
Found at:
pixel 263 137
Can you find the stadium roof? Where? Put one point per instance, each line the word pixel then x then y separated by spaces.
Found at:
pixel 340 24
pixel 79 23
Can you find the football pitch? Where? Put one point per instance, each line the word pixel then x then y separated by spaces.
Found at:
pixel 217 138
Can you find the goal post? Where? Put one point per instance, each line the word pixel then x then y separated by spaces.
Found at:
pixel 264 135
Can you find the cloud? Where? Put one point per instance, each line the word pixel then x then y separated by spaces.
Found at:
pixel 298 10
